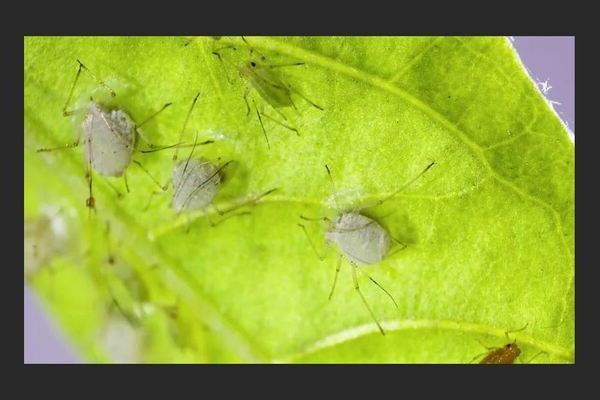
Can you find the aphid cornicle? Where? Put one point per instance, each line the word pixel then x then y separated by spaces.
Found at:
pixel 109 137
pixel 361 240
pixel 270 86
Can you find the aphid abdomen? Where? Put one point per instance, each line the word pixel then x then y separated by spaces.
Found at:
pixel 360 239
pixel 195 184
pixel 504 355
pixel 268 86
pixel 109 138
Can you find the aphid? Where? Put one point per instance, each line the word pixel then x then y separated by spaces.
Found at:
pixel 196 181
pixel 360 240
pixel 502 355
pixel 506 354
pixel 109 137
pixel 270 86
pixel 45 236
pixel 122 341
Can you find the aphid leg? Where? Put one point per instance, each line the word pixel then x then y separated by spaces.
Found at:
pixel 177 189
pixel 213 224
pixel 119 194
pixel 180 145
pixel 144 122
pixel 66 113
pixel 476 357
pixel 337 205
pixel 285 65
pixel 282 115
pixel 188 225
pixel 76 143
pixel 261 125
pixel 357 288
pixel 404 187
pixel 246 100
pixel 90 201
pixel 337 271
pixel 125 180
pixel 312 245
pixel 315 219
pixel 185 122
pixel 404 245
pixel 252 201
pixel 150 199
pixel 282 124
pixel 382 288
pixel 318 107
pixel 161 187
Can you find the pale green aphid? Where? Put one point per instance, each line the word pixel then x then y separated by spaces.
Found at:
pixel 46 236
pixel 360 240
pixel 262 77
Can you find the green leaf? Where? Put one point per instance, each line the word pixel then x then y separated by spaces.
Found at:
pixel 489 229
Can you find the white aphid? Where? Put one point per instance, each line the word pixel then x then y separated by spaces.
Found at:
pixel 108 139
pixel 122 341
pixel 45 237
pixel 359 238
pixel 195 184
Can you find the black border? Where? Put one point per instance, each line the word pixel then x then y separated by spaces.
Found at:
pixel 295 18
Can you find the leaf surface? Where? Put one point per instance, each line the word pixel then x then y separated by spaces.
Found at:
pixel 489 229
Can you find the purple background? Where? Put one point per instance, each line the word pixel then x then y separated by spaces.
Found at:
pixel 547 58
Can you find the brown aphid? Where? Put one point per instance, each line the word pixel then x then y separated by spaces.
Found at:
pixel 502 355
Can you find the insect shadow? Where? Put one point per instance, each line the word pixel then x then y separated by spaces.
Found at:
pixel 271 87
pixel 506 354
pixel 110 137
pixel 196 181
pixel 360 240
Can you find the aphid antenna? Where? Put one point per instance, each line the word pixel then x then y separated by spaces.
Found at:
pixel 187 118
pixel 222 61
pixel 364 300
pixel 312 244
pixel 187 162
pixel 402 188
pixel 100 82
pixel 337 204
pixel 515 330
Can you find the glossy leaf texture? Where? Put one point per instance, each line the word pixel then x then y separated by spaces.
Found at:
pixel 489 229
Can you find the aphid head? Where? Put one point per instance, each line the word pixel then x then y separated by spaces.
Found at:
pixel 512 347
